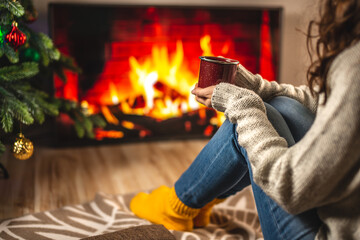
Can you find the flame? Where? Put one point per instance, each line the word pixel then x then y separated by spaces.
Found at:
pixel 206 46
pixel 113 93
pixel 171 72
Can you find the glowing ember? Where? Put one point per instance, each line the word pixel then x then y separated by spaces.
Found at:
pixel 128 125
pixel 101 134
pixel 110 118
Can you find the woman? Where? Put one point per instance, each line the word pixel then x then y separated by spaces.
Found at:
pixel 302 160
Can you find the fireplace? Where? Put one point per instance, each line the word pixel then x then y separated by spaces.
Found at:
pixel 139 64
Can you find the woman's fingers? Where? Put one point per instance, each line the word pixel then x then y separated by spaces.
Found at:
pixel 204 101
pixel 203 92
pixel 203 95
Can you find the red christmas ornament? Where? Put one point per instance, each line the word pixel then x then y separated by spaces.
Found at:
pixel 15 38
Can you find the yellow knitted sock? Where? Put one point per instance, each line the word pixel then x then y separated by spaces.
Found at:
pixel 162 206
pixel 203 218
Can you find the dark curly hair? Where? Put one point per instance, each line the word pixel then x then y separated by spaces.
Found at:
pixel 337 29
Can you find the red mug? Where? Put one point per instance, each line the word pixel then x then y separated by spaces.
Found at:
pixel 214 70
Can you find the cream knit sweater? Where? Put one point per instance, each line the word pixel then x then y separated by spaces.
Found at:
pixel 323 169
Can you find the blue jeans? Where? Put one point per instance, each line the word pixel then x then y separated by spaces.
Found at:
pixel 222 168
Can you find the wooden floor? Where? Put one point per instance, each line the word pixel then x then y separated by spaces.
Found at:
pixel 52 178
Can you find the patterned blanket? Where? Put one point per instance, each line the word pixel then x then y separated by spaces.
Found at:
pixel 235 218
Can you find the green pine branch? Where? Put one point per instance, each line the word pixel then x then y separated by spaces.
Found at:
pixel 46 48
pixel 14 8
pixel 38 102
pixel 17 109
pixel 6 17
pixel 84 125
pixel 10 53
pixel 18 72
pixel 63 63
pixel 6 120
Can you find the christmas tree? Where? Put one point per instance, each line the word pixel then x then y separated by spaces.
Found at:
pixel 28 60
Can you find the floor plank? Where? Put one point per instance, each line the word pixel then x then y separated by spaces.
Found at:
pixel 53 178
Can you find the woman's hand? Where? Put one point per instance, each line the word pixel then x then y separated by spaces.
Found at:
pixel 203 95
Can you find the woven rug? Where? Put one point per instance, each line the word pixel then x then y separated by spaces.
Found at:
pixel 235 218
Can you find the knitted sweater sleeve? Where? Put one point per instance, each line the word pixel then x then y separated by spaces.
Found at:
pixel 268 90
pixel 319 169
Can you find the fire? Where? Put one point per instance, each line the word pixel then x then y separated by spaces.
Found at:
pixel 165 82
pixel 113 93
pixel 160 88
pixel 171 71
pixel 206 46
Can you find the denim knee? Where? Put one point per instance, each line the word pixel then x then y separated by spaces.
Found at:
pixel 279 123
pixel 298 118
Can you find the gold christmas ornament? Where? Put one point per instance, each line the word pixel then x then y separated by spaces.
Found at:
pixel 23 148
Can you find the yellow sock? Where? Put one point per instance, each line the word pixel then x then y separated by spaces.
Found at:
pixel 162 206
pixel 203 218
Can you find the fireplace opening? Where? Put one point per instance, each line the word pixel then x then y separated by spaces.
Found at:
pixel 139 64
